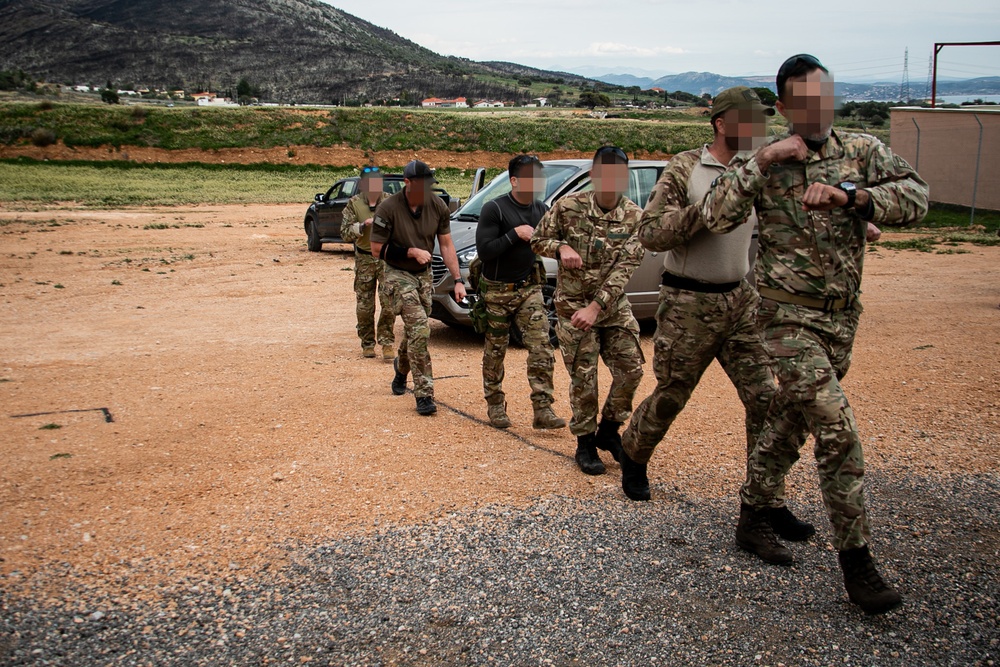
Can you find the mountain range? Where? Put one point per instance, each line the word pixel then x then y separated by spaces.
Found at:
pixel 292 50
pixel 299 51
pixel 699 83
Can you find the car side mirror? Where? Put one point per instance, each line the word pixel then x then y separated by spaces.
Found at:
pixel 319 197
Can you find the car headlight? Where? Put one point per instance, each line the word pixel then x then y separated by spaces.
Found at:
pixel 466 256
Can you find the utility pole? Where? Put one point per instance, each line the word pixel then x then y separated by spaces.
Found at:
pixel 904 88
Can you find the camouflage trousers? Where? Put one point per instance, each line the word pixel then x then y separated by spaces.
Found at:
pixel 692 329
pixel 524 307
pixel 410 296
pixel 616 341
pixel 368 281
pixel 811 352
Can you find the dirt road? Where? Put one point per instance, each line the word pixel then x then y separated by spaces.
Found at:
pixel 196 396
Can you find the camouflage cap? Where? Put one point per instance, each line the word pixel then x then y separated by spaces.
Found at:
pixel 739 97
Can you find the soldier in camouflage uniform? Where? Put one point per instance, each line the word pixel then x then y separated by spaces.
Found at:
pixel 509 288
pixel 592 234
pixel 357 228
pixel 706 307
pixel 814 191
pixel 403 233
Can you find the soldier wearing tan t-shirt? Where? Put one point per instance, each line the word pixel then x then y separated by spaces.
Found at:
pixel 403 234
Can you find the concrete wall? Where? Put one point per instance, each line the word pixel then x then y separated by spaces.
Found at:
pixel 949 139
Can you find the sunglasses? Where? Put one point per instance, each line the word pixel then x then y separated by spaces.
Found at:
pixel 370 170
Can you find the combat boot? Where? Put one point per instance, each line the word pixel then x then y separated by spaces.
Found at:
pixel 498 415
pixel 635 483
pixel 426 406
pixel 388 354
pixel 586 455
pixel 608 438
pixel 865 586
pixel 368 352
pixel 754 533
pixel 788 527
pixel 545 418
pixel 398 382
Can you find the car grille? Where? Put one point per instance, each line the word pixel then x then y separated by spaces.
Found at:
pixel 438 269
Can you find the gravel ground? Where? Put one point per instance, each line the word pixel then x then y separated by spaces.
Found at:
pixel 567 581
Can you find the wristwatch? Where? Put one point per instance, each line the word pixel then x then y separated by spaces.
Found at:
pixel 460 279
pixel 851 191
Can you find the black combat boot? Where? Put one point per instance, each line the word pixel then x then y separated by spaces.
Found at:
pixel 865 586
pixel 586 455
pixel 788 527
pixel 398 382
pixel 635 483
pixel 426 406
pixel 754 533
pixel 608 438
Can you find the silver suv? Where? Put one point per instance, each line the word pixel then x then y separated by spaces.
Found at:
pixel 562 177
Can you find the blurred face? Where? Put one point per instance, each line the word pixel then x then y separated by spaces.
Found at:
pixel 371 185
pixel 417 190
pixel 808 104
pixel 529 183
pixel 744 129
pixel 610 178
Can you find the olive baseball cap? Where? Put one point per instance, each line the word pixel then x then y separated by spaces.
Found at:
pixel 739 97
pixel 417 169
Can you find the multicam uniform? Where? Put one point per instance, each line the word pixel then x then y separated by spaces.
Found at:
pixel 808 273
pixel 367 273
pixel 407 283
pixel 511 295
pixel 610 251
pixel 706 306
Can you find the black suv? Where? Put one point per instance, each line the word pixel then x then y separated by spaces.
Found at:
pixel 322 223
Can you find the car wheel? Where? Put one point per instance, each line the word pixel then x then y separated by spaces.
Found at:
pixel 312 237
pixel 548 298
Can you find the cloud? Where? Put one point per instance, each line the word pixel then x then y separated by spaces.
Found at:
pixel 618 49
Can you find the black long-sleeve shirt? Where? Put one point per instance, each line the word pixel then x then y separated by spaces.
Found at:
pixel 506 258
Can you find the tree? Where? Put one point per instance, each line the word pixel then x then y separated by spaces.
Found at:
pixel 591 99
pixel 109 96
pixel 766 95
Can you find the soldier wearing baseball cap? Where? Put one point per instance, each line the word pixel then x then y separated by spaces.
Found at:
pixel 740 98
pixel 403 233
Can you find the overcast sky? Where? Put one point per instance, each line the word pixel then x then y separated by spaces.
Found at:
pixel 858 41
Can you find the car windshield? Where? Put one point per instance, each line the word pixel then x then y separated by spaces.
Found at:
pixel 555 175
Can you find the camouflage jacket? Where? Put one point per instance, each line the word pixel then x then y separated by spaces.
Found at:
pixel 669 219
pixel 606 243
pixel 816 253
pixel 356 211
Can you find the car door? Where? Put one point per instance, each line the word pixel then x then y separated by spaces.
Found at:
pixel 331 211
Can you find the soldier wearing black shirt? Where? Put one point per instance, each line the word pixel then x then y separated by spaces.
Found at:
pixel 511 294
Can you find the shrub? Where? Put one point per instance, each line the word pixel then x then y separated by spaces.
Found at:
pixel 42 137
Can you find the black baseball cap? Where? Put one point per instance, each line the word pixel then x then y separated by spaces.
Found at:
pixel 417 169
pixel 610 155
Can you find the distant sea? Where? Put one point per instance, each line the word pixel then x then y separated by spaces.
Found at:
pixel 958 99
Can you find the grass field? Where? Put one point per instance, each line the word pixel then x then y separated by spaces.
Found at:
pixel 115 184
pixel 380 129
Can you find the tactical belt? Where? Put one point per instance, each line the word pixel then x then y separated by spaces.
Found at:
pixel 494 286
pixel 415 272
pixel 829 305
pixel 691 285
pixel 362 251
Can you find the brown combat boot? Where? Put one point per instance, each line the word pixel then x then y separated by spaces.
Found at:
pixel 368 352
pixel 388 354
pixel 498 415
pixel 586 455
pixel 545 418
pixel 865 586
pixel 754 533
